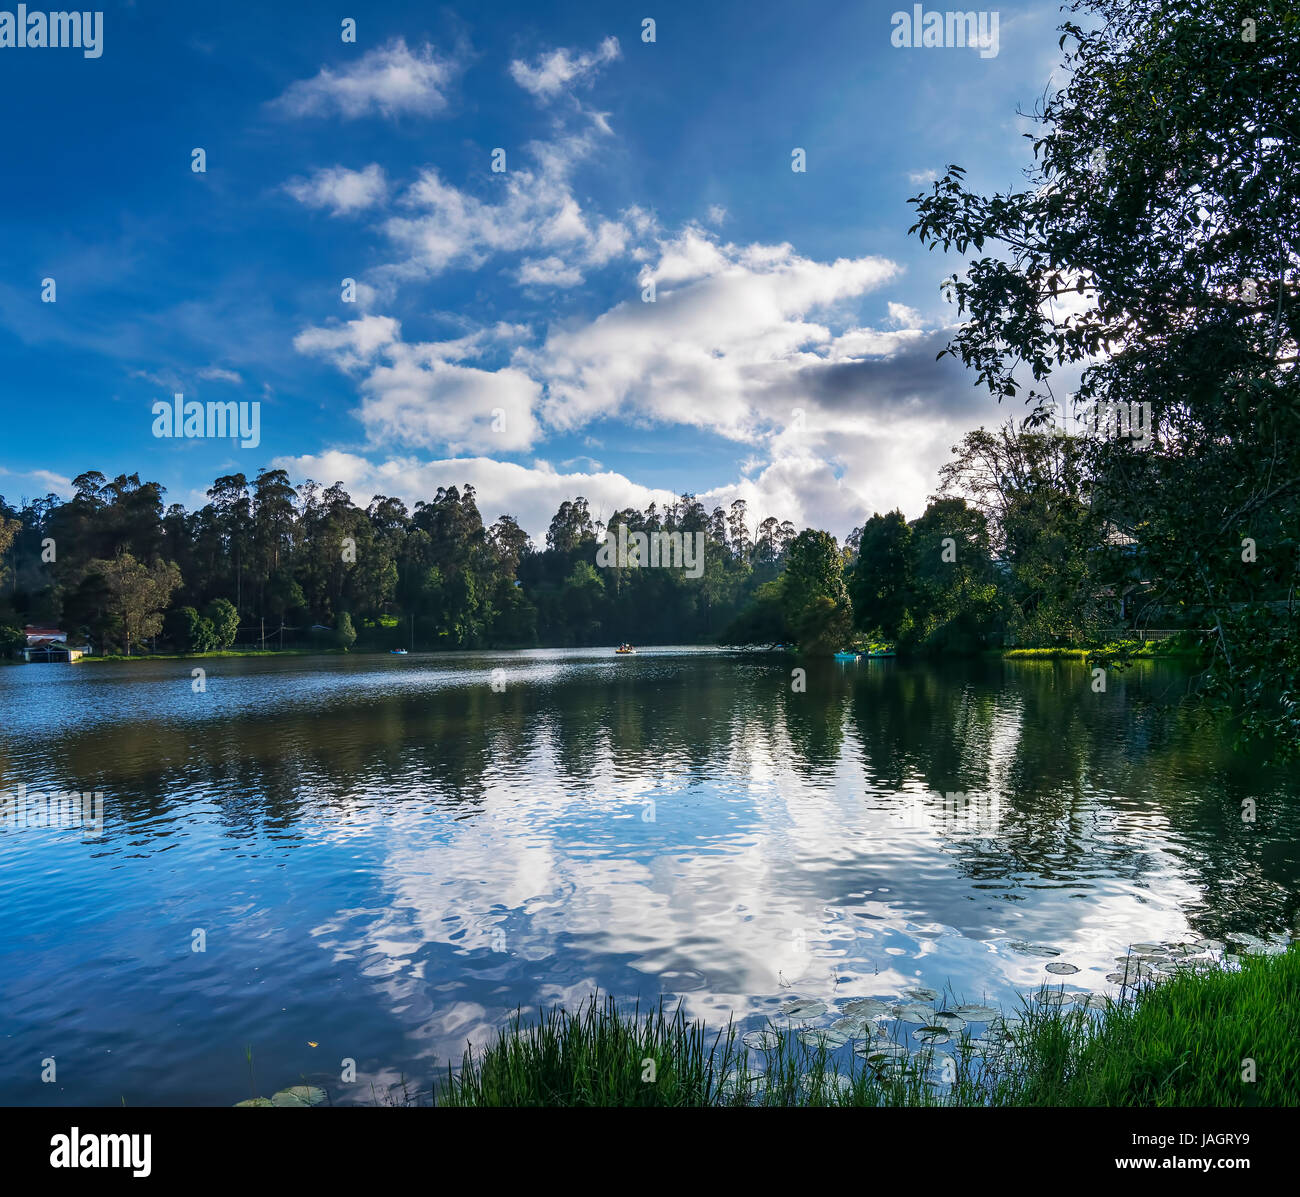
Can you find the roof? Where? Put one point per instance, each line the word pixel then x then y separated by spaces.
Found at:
pixel 37 633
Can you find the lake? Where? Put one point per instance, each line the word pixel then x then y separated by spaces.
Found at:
pixel 385 856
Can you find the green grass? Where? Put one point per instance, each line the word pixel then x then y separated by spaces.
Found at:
pixel 1119 650
pixel 251 652
pixel 1182 1042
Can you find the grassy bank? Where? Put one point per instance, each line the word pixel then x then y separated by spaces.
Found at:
pixel 250 652
pixel 1120 650
pixel 1186 1041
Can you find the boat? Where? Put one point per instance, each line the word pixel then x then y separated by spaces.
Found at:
pixel 625 649
pixel 884 652
pixel 846 656
pixel 397 652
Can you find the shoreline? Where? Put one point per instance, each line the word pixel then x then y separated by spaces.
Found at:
pixel 1218 1037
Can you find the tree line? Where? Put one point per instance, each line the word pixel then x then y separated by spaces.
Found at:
pixel 269 564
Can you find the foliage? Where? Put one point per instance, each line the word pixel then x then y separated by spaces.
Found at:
pixel 1180 1042
pixel 263 562
pixel 345 634
pixel 880 578
pixel 135 596
pixel 1155 252
pixel 223 617
pixel 814 599
pixel 189 631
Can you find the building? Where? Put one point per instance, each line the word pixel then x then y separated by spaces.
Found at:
pixel 48 644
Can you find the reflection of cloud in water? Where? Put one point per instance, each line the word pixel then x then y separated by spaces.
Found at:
pixel 759 884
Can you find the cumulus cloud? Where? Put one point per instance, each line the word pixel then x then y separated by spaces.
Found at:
pixel 727 326
pixel 535 209
pixel 423 395
pixel 530 493
pixel 902 316
pixel 552 74
pixel 341 190
pixel 551 272
pixel 391 80
pixel 754 343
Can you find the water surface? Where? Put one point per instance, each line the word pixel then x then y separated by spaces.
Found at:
pixel 387 856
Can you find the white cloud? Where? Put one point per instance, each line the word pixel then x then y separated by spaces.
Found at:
pixel 350 345
pixel 922 177
pixel 420 395
pixel 390 80
pixel 341 190
pixel 535 209
pixel 47 480
pixel 530 493
pixel 901 316
pixel 551 74
pixel 549 272
pixel 722 347
pixel 739 340
pixel 217 374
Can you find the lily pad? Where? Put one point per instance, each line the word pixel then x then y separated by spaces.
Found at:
pixel 855 1027
pixel 1032 949
pixel 1062 969
pixel 879 1053
pixel 254 1101
pixel 830 1039
pixel 829 1086
pixel 921 994
pixel 761 1041
pixel 804 1008
pixel 912 1012
pixel 933 1034
pixel 978 1013
pixel 736 1084
pixel 867 1008
pixel 299 1095
pixel 937 1062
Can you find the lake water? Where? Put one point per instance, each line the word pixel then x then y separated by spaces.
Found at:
pixel 386 856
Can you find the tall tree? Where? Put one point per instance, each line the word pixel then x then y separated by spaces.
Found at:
pixel 814 599
pixel 136 594
pixel 1156 251
pixel 880 581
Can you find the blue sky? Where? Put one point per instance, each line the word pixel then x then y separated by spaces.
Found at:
pixel 499 335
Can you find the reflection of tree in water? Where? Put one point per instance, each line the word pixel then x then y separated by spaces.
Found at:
pixel 1084 785
pixel 1078 779
pixel 814 720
